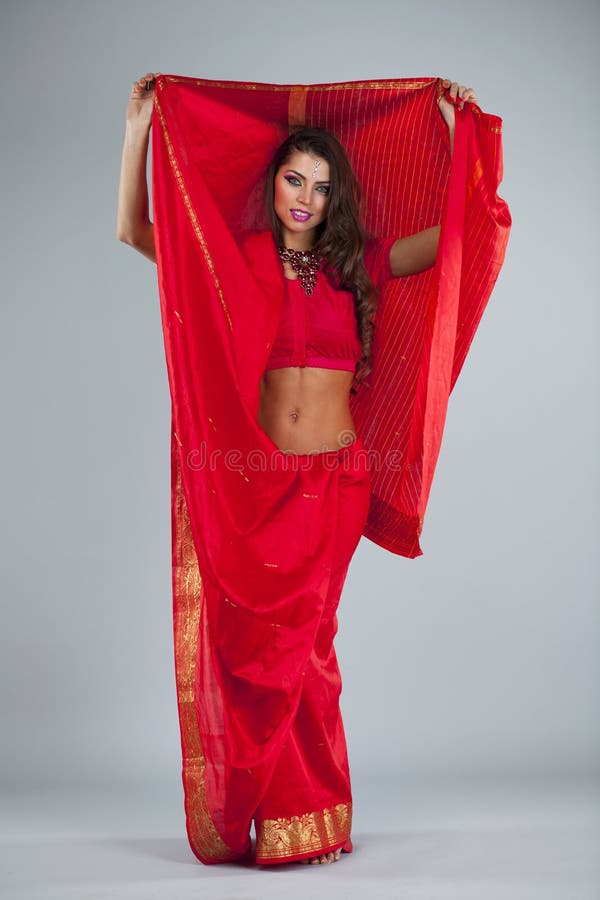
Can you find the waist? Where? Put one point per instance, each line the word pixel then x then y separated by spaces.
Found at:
pixel 309 361
pixel 306 411
pixel 313 391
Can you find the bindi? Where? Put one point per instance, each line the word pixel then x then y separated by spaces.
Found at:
pixel 316 165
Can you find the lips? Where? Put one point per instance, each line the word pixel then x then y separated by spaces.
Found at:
pixel 299 215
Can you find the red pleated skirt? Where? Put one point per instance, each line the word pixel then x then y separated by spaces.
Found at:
pixel 307 806
pixel 262 733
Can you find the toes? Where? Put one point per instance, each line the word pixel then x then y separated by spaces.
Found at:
pixel 325 858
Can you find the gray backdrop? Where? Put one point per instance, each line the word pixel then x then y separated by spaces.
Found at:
pixel 481 656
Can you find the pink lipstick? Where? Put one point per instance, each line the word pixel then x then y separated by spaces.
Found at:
pixel 299 215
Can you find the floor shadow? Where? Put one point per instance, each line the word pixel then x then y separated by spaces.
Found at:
pixel 174 850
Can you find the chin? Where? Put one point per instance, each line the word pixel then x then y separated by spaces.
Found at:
pixel 300 227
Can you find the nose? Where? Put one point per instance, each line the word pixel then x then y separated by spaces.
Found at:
pixel 304 195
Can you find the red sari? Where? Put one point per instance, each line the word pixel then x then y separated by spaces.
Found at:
pixel 262 539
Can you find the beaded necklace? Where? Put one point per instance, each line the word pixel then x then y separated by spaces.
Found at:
pixel 305 263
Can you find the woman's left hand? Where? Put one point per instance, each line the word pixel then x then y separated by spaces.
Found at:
pixel 460 94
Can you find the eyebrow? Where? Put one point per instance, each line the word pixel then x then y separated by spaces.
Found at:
pixel 300 175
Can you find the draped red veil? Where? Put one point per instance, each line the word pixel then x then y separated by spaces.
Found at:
pixel 241 635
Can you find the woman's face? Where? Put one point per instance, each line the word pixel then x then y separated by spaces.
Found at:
pixel 301 198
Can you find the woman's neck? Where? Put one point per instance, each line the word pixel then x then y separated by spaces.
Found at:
pixel 296 241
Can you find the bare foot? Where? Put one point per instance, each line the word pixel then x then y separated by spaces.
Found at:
pixel 325 858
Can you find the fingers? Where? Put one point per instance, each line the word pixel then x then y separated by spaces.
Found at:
pixel 466 93
pixel 458 93
pixel 146 83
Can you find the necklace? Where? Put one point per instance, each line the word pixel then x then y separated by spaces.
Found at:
pixel 305 263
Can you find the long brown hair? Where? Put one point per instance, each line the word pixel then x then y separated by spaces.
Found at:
pixel 340 237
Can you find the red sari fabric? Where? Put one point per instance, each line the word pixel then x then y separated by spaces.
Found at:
pixel 260 543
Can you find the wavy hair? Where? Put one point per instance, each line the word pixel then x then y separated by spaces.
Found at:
pixel 341 236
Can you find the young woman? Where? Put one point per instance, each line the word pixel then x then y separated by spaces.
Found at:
pixel 302 407
pixel 301 800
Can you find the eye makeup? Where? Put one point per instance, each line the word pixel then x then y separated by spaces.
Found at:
pixel 294 178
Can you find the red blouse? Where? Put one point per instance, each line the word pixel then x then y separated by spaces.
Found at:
pixel 321 329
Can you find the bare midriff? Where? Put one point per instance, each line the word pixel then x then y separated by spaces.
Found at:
pixel 305 409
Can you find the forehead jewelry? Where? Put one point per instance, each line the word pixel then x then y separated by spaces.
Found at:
pixel 316 165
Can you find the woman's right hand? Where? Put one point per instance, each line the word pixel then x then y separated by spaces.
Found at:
pixel 141 101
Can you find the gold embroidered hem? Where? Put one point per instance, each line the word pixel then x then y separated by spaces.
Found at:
pixel 281 840
pixel 203 836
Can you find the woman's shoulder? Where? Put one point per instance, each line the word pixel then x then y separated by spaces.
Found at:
pixel 377 258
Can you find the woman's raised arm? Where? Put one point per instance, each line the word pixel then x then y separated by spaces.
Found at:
pixel 417 252
pixel 133 221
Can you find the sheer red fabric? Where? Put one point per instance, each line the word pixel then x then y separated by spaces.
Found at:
pixel 260 543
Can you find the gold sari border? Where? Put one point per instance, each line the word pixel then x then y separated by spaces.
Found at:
pixel 377 84
pixel 308 832
pixel 297 107
pixel 204 838
pixel 190 208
